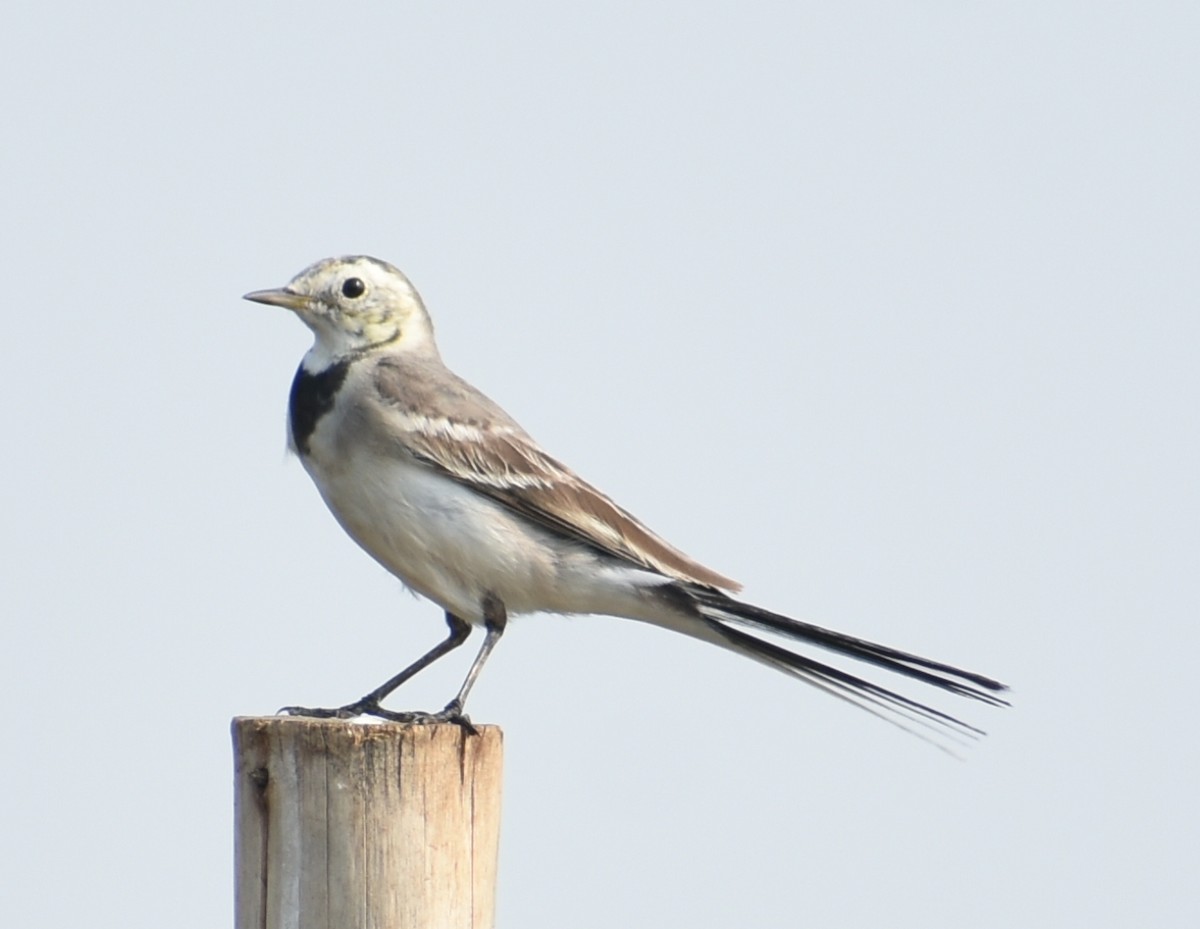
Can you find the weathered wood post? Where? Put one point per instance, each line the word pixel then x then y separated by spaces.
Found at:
pixel 345 825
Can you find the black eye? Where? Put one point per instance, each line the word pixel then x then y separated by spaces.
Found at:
pixel 352 287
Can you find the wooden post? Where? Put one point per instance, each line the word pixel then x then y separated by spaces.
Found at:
pixel 344 825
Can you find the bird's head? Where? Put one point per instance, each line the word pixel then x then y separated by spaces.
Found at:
pixel 354 304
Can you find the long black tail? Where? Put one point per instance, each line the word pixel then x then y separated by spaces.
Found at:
pixel 721 615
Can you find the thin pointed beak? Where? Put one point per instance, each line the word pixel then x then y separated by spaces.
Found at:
pixel 281 297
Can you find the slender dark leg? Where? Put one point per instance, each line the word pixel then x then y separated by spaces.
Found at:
pixel 369 705
pixel 495 618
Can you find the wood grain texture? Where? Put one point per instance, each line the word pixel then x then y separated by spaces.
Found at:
pixel 365 826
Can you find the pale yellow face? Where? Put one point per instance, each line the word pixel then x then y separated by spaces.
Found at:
pixel 355 303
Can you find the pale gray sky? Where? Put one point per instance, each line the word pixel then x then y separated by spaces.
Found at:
pixel 887 310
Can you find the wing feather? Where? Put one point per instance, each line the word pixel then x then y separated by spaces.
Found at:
pixel 454 428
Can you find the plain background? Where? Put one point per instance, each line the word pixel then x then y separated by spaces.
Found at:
pixel 887 310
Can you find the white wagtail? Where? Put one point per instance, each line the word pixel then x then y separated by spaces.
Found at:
pixel 448 493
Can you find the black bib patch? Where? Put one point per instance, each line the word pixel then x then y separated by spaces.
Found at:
pixel 311 398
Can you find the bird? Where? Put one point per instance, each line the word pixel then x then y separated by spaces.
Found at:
pixel 447 492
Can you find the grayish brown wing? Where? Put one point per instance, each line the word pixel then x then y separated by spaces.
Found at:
pixel 448 424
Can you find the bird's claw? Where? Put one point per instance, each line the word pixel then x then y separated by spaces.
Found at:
pixel 349 711
pixel 451 714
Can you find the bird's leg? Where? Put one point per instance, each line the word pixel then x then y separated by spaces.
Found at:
pixel 495 618
pixel 369 705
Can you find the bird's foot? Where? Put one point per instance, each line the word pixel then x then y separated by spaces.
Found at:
pixel 365 707
pixel 451 714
